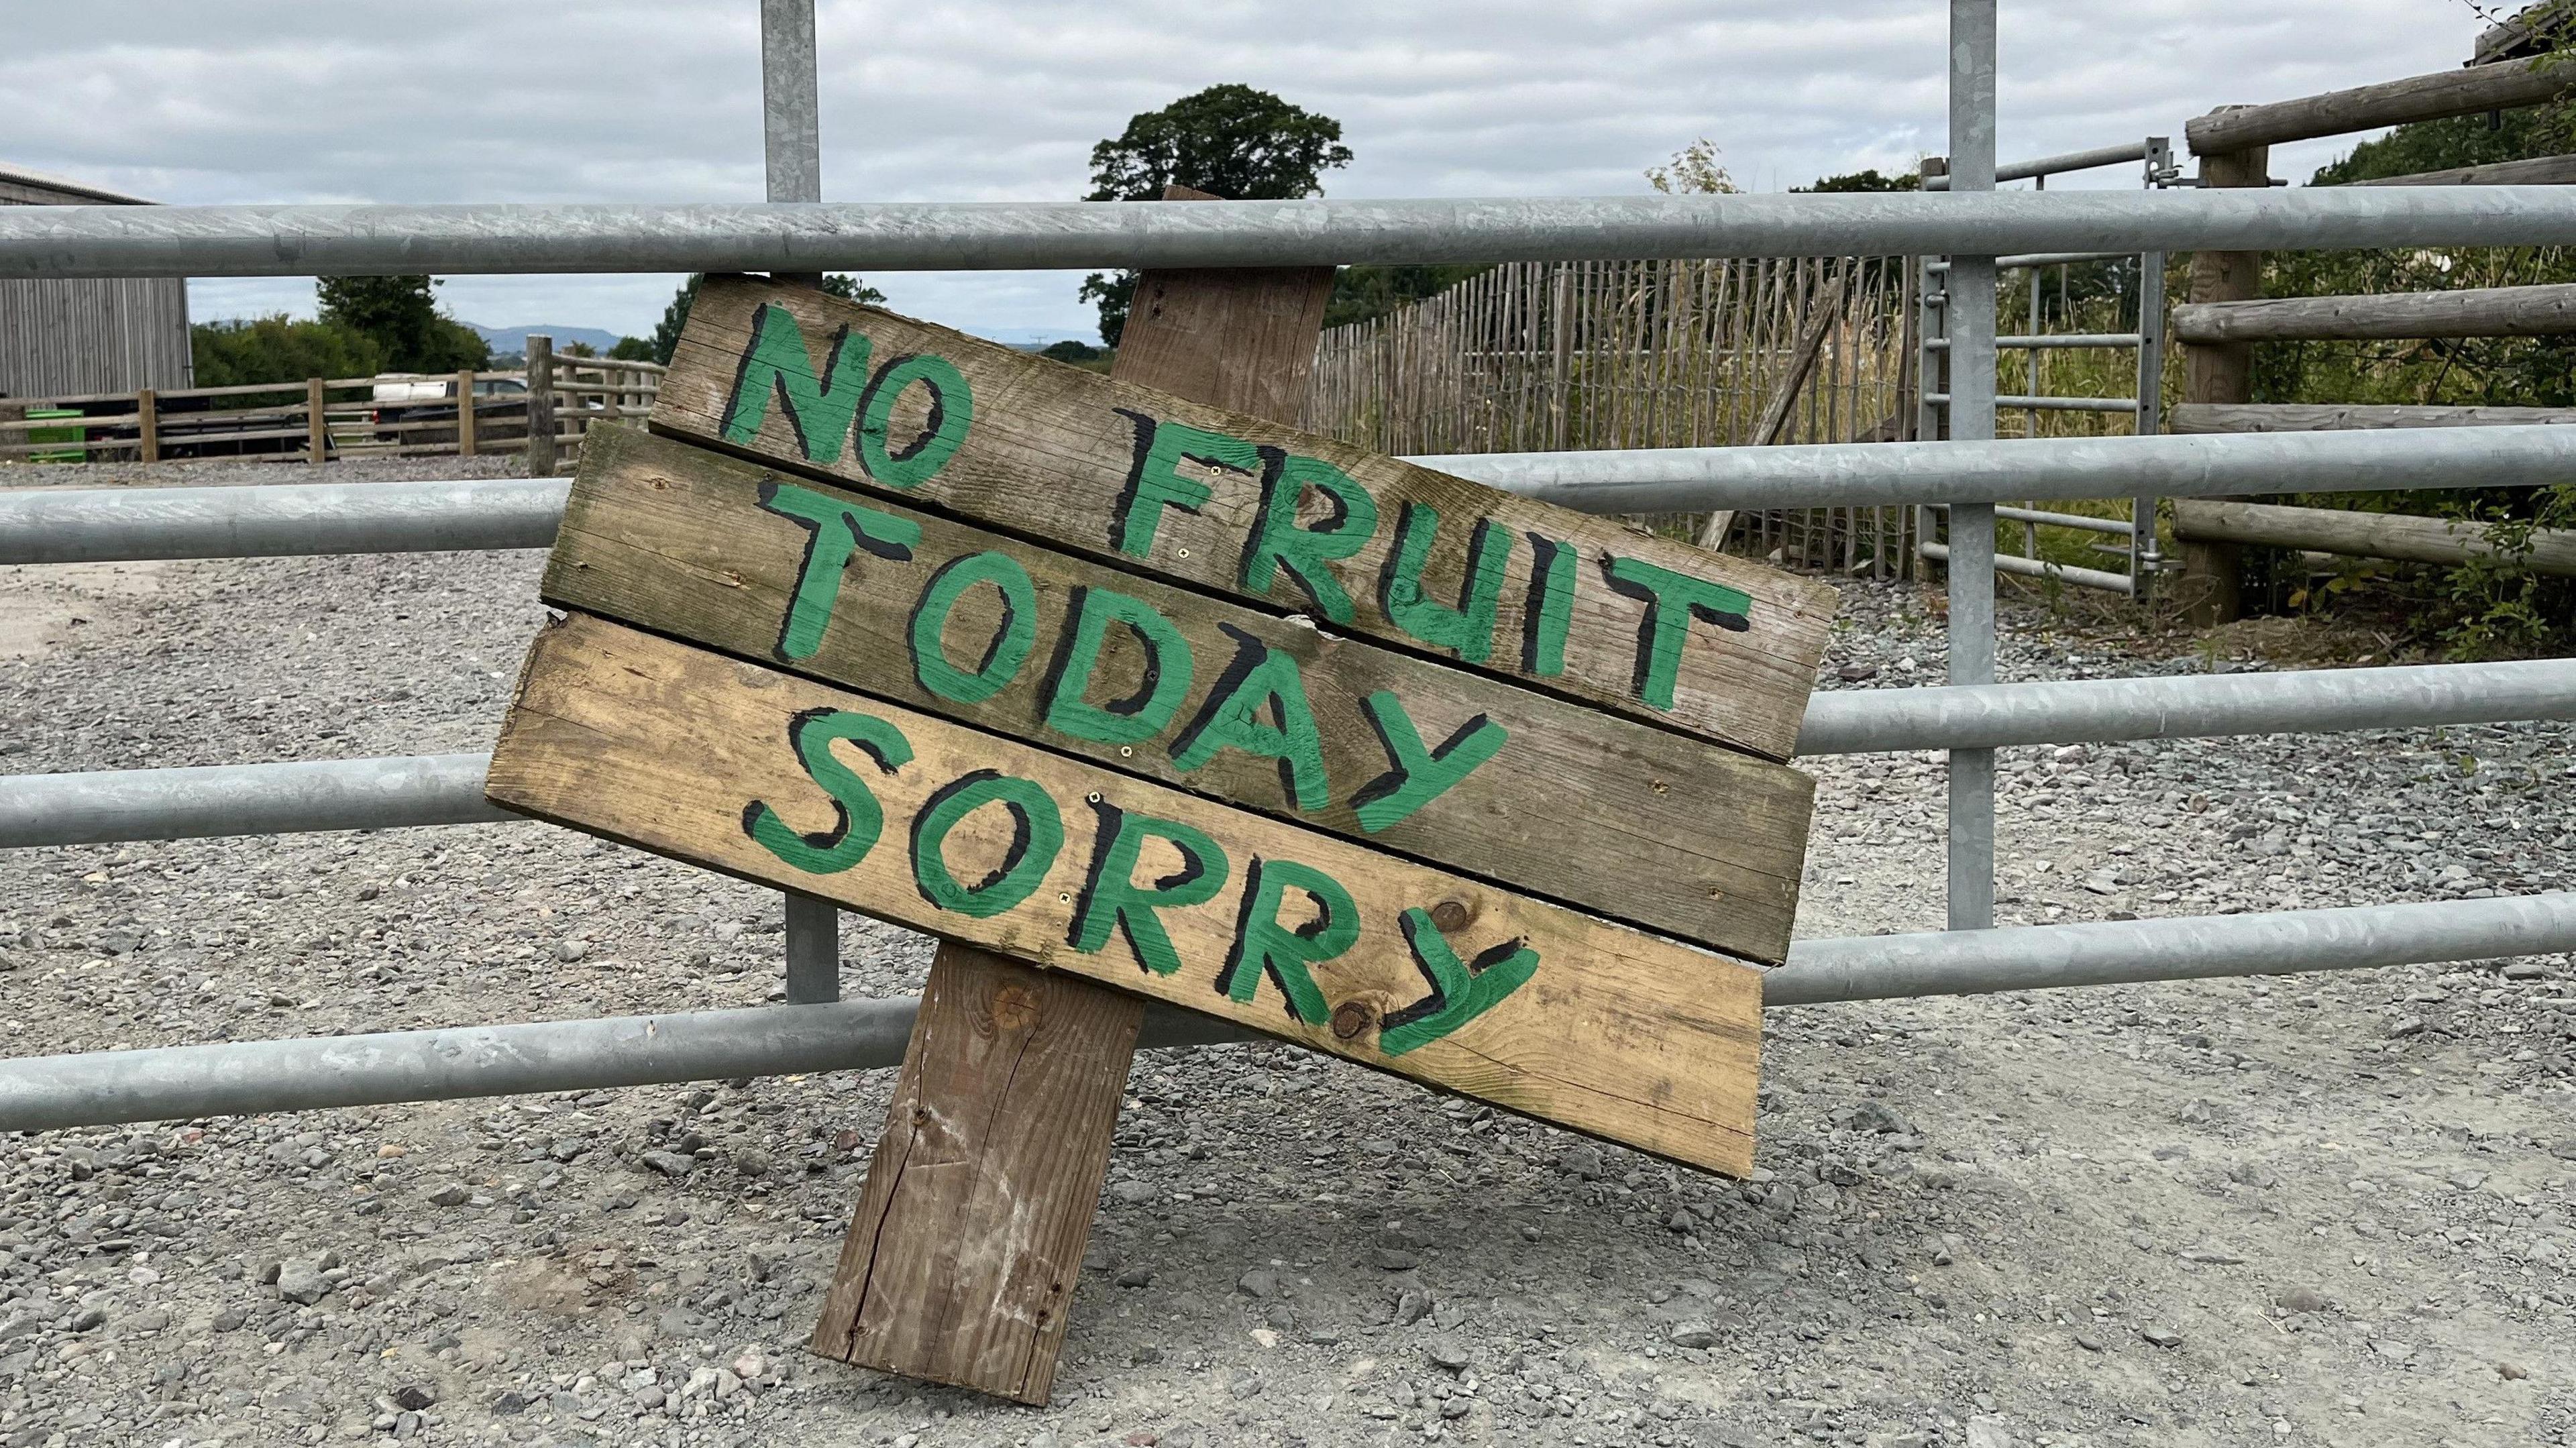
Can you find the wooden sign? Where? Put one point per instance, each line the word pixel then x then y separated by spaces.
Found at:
pixel 1369 742
pixel 1647 626
pixel 1109 688
pixel 953 831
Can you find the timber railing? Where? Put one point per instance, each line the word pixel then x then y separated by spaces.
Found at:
pixel 1970 716
pixel 319 418
pixel 2227 316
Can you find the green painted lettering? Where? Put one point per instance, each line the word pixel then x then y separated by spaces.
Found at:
pixel 1262 946
pixel 857 818
pixel 1672 600
pixel 1003 654
pixel 1416 776
pixel 1460 991
pixel 1037 834
pixel 1278 542
pixel 1260 677
pixel 835 528
pixel 1550 609
pixel 1154 481
pixel 818 408
pixel 952 412
pixel 1139 716
pixel 1111 898
pixel 1466 630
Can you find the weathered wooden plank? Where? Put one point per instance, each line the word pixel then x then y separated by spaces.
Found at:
pixel 2347 416
pixel 2368 535
pixel 932 825
pixel 2530 171
pixel 961 1260
pixel 2501 86
pixel 1588 607
pixel 1589 808
pixel 2534 311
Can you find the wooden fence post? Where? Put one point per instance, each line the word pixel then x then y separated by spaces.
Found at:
pixel 465 414
pixel 147 424
pixel 317 423
pixel 2221 372
pixel 541 407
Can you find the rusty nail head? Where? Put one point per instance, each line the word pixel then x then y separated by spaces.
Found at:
pixel 1350 1018
pixel 1449 915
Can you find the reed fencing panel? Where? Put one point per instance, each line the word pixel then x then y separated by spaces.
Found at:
pixel 1543 356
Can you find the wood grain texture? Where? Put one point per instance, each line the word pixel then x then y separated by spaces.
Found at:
pixel 684 752
pixel 1048 455
pixel 963 1256
pixel 2344 416
pixel 2369 535
pixel 1577 805
pixel 2533 311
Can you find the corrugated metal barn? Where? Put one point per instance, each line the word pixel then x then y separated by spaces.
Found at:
pixel 67 338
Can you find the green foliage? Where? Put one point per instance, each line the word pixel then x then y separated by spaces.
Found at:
pixel 276 349
pixel 631 349
pixel 1869 180
pixel 675 317
pixel 1071 351
pixel 1229 140
pixel 1694 170
pixel 2487 607
pixel 1361 293
pixel 400 315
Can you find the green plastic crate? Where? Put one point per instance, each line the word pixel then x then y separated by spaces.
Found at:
pixel 39 435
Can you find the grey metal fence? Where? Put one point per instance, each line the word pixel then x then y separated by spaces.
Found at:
pixel 1970 717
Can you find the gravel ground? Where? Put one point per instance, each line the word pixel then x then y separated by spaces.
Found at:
pixel 2325 1209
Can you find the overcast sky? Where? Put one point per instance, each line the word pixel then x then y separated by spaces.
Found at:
pixel 659 100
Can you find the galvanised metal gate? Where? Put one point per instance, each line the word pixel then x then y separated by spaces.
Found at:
pixel 1969 717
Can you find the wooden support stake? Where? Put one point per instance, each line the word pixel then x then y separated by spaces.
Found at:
pixel 1825 311
pixel 317 438
pixel 962 1259
pixel 541 406
pixel 465 414
pixel 147 423
pixel 2220 372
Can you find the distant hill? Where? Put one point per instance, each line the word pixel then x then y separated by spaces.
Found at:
pixel 515 339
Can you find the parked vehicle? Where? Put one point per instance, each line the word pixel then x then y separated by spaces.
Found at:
pixel 405 402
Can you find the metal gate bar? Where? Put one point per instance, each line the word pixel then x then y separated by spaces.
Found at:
pixel 447 789
pixel 97 1088
pixel 457 240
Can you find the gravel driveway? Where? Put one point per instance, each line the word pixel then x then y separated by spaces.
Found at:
pixel 2328 1209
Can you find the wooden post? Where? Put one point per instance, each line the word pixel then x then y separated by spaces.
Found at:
pixel 1821 316
pixel 465 414
pixel 541 406
pixel 2220 372
pixel 317 443
pixel 147 424
pixel 1002 1118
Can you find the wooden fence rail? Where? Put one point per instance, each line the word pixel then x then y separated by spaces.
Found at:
pixel 331 416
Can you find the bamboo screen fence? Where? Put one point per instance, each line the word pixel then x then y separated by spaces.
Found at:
pixel 1537 356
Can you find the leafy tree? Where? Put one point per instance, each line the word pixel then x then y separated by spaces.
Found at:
pixel 1070 350
pixel 277 349
pixel 1693 171
pixel 675 317
pixel 1363 293
pixel 1229 140
pixel 580 349
pixel 1869 180
pixel 401 317
pixel 631 349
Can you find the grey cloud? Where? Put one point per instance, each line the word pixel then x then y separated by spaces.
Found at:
pixel 659 100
